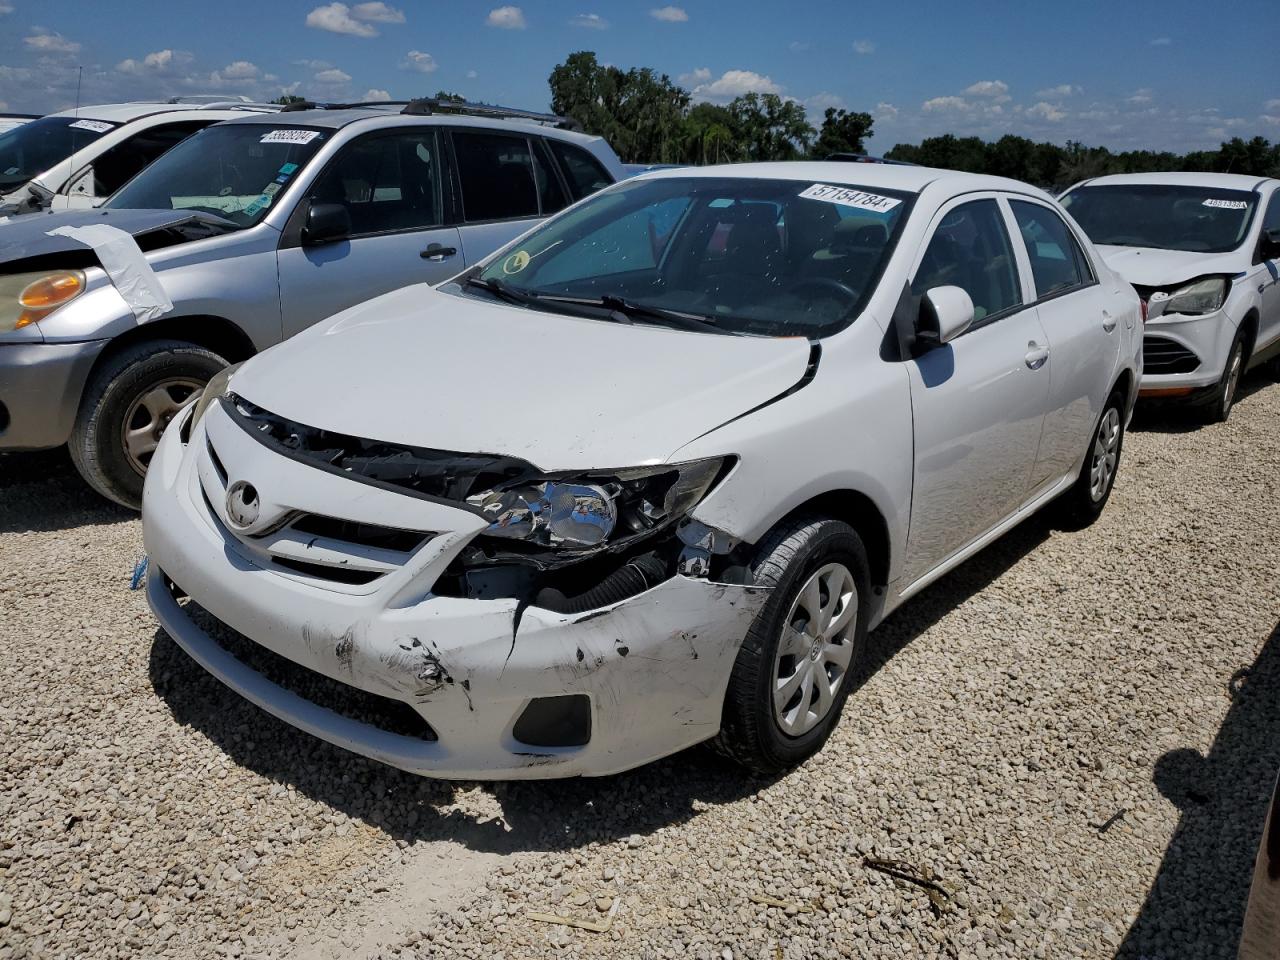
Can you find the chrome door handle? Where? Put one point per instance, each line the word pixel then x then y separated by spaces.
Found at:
pixel 1108 321
pixel 1036 355
pixel 437 252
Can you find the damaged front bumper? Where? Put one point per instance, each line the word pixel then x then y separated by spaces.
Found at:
pixel 649 672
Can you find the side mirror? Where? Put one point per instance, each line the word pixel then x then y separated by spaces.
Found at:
pixel 1271 244
pixel 945 313
pixel 326 222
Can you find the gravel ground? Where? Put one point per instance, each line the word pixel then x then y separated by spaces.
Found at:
pixel 1127 675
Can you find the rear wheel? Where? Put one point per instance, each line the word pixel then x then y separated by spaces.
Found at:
pixel 1083 503
pixel 128 403
pixel 793 672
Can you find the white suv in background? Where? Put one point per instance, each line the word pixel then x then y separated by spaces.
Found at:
pixel 1203 251
pixel 78 157
pixel 646 476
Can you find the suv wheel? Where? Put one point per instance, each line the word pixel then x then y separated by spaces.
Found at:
pixel 1224 394
pixel 1083 503
pixel 126 406
pixel 793 672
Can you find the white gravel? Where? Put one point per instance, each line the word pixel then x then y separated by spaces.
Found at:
pixel 1015 707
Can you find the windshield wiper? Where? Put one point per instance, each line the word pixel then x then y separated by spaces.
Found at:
pixel 503 292
pixel 644 311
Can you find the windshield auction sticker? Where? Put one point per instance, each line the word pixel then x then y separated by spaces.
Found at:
pixel 849 197
pixel 300 137
pixel 1226 204
pixel 97 126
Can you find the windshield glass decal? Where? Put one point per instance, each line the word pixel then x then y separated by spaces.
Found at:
pixel 97 126
pixel 300 137
pixel 850 197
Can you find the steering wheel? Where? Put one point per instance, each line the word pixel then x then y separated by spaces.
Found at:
pixel 825 285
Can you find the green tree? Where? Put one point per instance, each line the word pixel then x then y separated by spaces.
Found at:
pixel 287 98
pixel 842 131
pixel 447 95
pixel 770 127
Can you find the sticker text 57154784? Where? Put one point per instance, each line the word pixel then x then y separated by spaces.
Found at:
pixel 850 197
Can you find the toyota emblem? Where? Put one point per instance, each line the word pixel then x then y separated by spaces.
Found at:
pixel 242 505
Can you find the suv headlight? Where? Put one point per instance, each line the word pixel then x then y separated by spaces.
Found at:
pixel 589 510
pixel 1202 296
pixel 27 298
pixel 215 388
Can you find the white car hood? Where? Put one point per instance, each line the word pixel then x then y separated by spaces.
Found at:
pixel 1150 267
pixel 429 369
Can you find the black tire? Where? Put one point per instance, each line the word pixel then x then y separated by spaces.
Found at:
pixel 1081 505
pixel 97 440
pixel 749 732
pixel 1217 407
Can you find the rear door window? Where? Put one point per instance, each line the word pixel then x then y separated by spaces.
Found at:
pixel 388 182
pixel 497 174
pixel 1057 262
pixel 583 171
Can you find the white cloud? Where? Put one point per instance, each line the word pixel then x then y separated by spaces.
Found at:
pixel 419 62
pixel 45 41
pixel 374 95
pixel 5 8
pixel 336 18
pixel 332 75
pixel 944 104
pixel 819 102
pixel 669 14
pixel 1161 41
pixel 1141 95
pixel 998 90
pixel 863 47
pixel 1046 111
pixel 471 74
pixel 158 61
pixel 1061 90
pixel 506 18
pixel 313 64
pixel 1271 105
pixel 377 13
pixel 1270 120
pixel 885 111
pixel 695 77
pixel 591 21
pixel 796 46
pixel 240 70
pixel 734 83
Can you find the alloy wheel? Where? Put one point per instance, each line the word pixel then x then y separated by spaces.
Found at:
pixel 1106 451
pixel 815 650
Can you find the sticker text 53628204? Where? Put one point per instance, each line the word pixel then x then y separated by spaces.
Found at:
pixel 300 137
pixel 850 197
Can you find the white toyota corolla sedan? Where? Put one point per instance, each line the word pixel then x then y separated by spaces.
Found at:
pixel 648 475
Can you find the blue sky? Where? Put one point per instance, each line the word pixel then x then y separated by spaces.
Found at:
pixel 1105 73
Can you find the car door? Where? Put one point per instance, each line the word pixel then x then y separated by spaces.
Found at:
pixel 977 402
pixel 1269 321
pixel 391 184
pixel 506 184
pixel 1082 333
pixel 116 166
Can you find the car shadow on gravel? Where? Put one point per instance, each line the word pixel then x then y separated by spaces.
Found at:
pixel 42 492
pixel 537 815
pixel 1177 417
pixel 1195 907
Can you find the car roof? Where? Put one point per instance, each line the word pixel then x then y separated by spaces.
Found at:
pixel 1220 181
pixel 910 179
pixel 124 112
pixel 391 117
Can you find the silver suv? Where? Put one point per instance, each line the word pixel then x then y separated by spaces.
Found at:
pixel 255 229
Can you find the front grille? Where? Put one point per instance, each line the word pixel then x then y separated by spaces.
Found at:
pixel 384 713
pixel 325 548
pixel 1162 355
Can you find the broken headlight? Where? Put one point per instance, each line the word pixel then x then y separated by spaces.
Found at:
pixel 215 388
pixel 1194 299
pixel 590 510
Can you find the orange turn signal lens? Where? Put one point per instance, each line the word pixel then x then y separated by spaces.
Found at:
pixel 45 295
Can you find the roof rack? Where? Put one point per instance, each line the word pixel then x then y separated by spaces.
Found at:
pixel 428 106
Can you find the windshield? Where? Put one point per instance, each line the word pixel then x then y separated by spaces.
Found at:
pixel 1195 219
pixel 30 149
pixel 765 257
pixel 234 171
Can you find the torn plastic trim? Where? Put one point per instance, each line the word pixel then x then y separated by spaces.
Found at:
pixel 126 265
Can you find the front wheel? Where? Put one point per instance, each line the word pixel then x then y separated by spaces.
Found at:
pixel 1083 503
pixel 1223 398
pixel 127 405
pixel 792 675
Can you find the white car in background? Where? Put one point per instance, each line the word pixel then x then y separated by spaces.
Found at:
pixel 10 120
pixel 646 476
pixel 1203 251
pixel 79 157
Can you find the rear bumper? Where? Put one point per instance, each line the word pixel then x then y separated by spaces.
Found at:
pixel 40 388
pixel 654 667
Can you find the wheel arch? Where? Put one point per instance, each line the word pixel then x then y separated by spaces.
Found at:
pixel 860 512
pixel 1249 327
pixel 216 334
